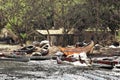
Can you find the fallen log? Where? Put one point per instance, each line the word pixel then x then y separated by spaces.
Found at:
pixel 32 57
pixel 15 59
pixel 105 62
pixel 40 57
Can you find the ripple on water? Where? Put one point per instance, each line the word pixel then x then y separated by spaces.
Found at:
pixel 50 70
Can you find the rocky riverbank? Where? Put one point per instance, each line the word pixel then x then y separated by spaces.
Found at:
pixel 50 70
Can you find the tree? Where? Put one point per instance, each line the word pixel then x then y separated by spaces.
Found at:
pixel 25 16
pixel 22 15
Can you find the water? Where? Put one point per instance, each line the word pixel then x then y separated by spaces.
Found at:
pixel 50 70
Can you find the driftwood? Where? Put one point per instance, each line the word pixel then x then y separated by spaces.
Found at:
pixel 42 57
pixel 29 57
pixel 22 59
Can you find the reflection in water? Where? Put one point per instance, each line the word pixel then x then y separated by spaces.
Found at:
pixel 50 70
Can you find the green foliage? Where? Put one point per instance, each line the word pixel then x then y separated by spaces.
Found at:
pixel 23 35
pixel 27 15
pixel 8 26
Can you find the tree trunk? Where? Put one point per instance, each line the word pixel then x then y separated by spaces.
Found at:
pixel 49 38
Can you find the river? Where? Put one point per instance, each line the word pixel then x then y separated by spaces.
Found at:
pixel 50 70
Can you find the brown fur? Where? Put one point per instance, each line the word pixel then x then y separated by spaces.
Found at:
pixel 70 51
